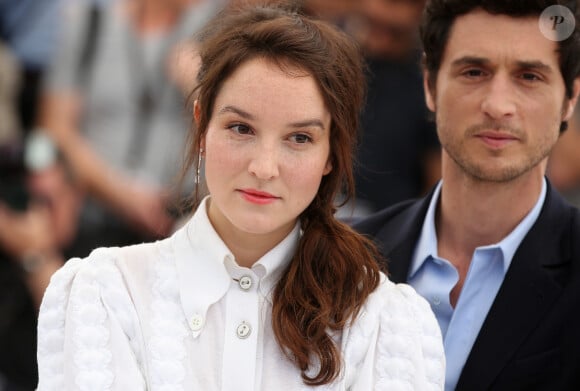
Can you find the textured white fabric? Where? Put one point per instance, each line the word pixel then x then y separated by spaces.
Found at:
pixel 165 316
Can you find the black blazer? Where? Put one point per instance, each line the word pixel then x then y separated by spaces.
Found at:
pixel 530 339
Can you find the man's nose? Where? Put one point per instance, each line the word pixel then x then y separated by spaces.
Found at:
pixel 499 101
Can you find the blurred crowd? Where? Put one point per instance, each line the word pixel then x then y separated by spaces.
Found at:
pixel 93 120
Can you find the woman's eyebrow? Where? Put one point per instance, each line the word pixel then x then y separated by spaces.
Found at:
pixel 236 110
pixel 309 123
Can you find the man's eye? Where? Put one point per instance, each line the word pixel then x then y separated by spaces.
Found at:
pixel 473 73
pixel 300 138
pixel 530 76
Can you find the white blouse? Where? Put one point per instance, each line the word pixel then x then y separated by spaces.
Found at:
pixel 180 314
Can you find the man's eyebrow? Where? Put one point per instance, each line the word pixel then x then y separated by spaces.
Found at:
pixel 470 60
pixel 236 110
pixel 535 64
pixel 481 61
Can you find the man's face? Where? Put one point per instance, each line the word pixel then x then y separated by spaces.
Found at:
pixel 499 97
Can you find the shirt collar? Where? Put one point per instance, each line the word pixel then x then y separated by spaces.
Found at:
pixel 427 244
pixel 509 245
pixel 203 261
pixel 271 266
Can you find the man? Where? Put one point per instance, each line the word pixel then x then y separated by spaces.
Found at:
pixel 494 249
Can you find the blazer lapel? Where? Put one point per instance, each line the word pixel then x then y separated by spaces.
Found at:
pixel 397 239
pixel 529 288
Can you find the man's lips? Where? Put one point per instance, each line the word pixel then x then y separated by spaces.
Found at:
pixel 496 139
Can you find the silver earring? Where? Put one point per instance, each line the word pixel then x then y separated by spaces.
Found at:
pixel 198 171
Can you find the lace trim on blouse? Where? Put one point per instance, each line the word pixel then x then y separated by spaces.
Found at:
pixel 168 327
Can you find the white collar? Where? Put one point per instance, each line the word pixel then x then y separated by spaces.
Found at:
pixel 203 261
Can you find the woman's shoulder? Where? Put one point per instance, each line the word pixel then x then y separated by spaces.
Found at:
pixel 398 300
pixel 399 310
pixel 137 255
pixel 106 269
pixel 87 302
pixel 398 327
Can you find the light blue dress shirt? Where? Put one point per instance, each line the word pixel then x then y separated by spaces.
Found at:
pixel 434 277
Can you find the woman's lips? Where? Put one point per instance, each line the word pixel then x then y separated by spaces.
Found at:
pixel 258 197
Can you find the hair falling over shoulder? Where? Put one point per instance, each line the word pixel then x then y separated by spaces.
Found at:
pixel 324 288
pixel 335 269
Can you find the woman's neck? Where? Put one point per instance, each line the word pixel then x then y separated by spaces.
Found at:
pixel 246 247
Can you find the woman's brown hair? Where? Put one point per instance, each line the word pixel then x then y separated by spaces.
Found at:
pixel 334 269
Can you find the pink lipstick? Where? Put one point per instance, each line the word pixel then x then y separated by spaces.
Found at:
pixel 258 197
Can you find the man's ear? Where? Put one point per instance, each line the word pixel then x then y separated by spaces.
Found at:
pixel 571 103
pixel 429 92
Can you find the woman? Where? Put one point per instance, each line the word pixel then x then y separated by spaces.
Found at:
pixel 263 288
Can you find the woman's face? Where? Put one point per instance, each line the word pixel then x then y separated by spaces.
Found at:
pixel 266 150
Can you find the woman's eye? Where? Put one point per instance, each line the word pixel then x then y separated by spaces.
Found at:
pixel 300 138
pixel 240 129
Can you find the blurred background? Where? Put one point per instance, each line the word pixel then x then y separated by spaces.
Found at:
pixel 93 122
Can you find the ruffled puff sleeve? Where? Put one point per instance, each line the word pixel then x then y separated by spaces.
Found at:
pixel 87 329
pixel 395 343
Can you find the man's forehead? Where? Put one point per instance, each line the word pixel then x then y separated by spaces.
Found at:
pixel 495 38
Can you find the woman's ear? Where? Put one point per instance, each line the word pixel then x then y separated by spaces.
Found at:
pixel 327 168
pixel 196 111
pixel 196 116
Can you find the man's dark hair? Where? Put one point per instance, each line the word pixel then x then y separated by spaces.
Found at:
pixel 439 16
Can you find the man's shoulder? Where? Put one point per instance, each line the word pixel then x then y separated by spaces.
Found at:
pixel 574 229
pixel 374 223
pixel 558 217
